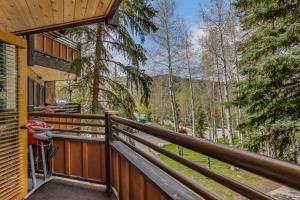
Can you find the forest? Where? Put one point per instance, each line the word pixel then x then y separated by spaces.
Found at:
pixel 235 81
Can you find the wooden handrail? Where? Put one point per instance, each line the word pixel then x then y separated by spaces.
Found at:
pixel 276 170
pixel 226 181
pixel 66 115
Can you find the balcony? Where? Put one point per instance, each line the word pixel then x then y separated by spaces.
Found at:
pixel 64 108
pixel 109 153
pixel 50 54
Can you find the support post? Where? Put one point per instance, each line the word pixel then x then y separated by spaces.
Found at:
pixel 108 137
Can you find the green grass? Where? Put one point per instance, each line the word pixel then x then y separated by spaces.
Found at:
pixel 220 167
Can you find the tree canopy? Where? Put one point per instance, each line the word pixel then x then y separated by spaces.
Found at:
pixel 270 66
pixel 112 58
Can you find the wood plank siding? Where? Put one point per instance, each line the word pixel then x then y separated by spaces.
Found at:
pixel 49 46
pixel 129 183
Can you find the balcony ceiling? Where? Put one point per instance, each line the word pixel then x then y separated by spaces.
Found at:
pixel 23 16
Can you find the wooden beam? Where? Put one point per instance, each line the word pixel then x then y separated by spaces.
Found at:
pixel 22 107
pixel 13 39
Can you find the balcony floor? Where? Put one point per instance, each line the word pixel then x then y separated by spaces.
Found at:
pixel 60 191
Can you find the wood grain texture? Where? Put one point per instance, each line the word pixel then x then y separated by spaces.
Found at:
pixel 125 180
pixel 20 16
pixel 137 184
pixel 80 159
pixel 59 165
pixel 129 183
pixel 58 11
pixel 76 158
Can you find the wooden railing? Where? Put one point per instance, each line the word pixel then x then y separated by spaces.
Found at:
pixel 279 171
pixel 66 108
pixel 48 45
pixel 131 172
pixel 79 140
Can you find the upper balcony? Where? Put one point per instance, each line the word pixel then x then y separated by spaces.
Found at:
pixel 50 54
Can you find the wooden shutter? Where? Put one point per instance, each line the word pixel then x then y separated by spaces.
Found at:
pixel 13 108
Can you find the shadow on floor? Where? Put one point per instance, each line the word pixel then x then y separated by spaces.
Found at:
pixel 60 191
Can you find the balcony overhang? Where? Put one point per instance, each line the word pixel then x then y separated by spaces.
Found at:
pixel 49 74
pixel 29 16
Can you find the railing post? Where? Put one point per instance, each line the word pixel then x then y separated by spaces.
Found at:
pixel 108 137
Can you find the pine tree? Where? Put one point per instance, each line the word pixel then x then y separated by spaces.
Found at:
pixel 201 124
pixel 103 44
pixel 270 66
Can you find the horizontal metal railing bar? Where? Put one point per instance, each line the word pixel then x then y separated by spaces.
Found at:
pixel 200 190
pixel 56 109
pixel 67 115
pixel 77 131
pixel 276 170
pixel 74 123
pixel 62 106
pixel 226 181
pixel 99 140
pixel 61 39
pixel 63 110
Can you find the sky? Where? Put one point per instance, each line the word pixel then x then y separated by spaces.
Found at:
pixel 189 11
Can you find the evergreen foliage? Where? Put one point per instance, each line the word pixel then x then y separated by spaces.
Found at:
pixel 270 66
pixel 201 124
pixel 118 79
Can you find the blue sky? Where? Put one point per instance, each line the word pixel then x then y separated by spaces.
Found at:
pixel 186 9
pixel 189 9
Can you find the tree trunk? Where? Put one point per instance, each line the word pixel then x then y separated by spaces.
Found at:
pixel 211 118
pixel 96 73
pixel 222 101
pixel 214 124
pixel 191 95
pixel 172 92
pixel 70 91
pixel 233 33
pixel 226 91
pixel 222 114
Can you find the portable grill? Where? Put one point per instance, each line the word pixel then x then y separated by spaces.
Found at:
pixel 38 134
